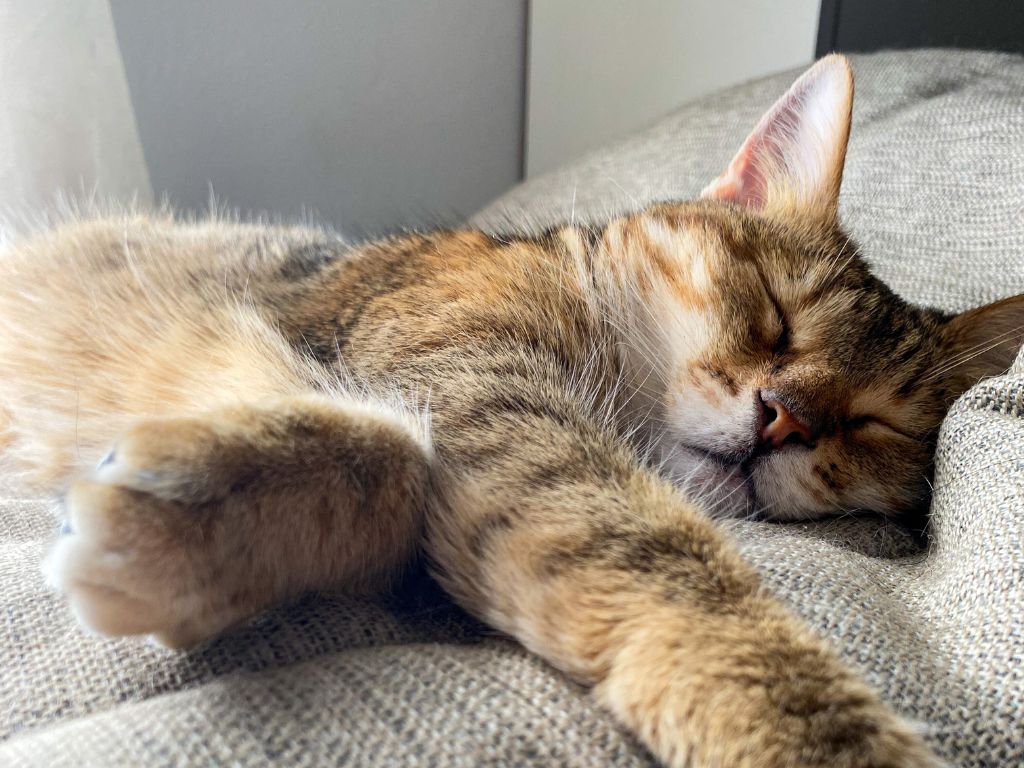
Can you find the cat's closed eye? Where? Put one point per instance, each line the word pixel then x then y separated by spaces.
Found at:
pixel 854 423
pixel 782 331
pixel 864 421
pixel 782 340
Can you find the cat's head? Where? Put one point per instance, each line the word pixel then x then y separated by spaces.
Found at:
pixel 778 367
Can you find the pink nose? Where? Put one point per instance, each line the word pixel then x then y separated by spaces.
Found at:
pixel 779 426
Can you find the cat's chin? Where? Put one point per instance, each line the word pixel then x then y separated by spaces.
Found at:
pixel 722 488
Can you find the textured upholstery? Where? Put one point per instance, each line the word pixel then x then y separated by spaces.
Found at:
pixel 934 193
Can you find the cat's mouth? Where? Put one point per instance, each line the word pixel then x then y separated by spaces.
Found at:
pixel 723 481
pixel 742 485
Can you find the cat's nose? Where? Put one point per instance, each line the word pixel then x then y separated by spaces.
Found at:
pixel 779 425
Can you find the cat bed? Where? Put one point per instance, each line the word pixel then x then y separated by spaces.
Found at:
pixel 934 193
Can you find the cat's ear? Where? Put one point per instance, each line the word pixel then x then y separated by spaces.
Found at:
pixel 983 342
pixel 792 163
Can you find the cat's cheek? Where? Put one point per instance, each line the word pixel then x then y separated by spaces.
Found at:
pixel 713 421
pixel 781 486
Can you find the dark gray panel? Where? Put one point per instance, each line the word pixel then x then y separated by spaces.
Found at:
pixel 869 25
pixel 374 114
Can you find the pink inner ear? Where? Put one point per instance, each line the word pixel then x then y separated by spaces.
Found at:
pixel 763 152
pixel 745 181
pixel 796 151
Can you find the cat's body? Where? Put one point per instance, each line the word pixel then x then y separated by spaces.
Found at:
pixel 551 421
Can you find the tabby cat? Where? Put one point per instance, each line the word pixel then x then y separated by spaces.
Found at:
pixel 552 421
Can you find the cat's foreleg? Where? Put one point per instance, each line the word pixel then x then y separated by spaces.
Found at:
pixel 190 525
pixel 553 533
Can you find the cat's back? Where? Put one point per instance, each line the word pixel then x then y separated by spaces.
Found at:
pixel 108 319
pixel 157 254
pixel 154 269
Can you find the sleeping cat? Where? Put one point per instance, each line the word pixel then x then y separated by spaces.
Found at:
pixel 552 421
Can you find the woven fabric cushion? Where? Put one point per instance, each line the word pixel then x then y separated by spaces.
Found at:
pixel 934 192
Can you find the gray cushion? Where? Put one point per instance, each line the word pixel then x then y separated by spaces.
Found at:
pixel 934 192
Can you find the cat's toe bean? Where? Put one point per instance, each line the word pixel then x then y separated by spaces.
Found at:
pixel 94 583
pixel 122 565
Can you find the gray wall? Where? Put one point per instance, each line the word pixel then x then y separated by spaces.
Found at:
pixel 375 115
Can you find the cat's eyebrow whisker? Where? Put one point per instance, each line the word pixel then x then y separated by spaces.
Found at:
pixel 636 203
pixel 971 353
pixel 833 269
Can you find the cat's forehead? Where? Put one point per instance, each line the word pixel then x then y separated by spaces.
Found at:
pixel 839 315
pixel 727 231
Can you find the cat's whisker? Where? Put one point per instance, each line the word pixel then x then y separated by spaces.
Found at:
pixel 834 269
pixel 636 203
pixel 973 353
pixel 721 501
pixel 647 356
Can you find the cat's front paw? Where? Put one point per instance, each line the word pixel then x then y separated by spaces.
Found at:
pixel 191 525
pixel 751 688
pixel 146 545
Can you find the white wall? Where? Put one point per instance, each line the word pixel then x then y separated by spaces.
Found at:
pixel 599 69
pixel 66 122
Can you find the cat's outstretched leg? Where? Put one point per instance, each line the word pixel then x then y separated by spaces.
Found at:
pixel 553 531
pixel 190 525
